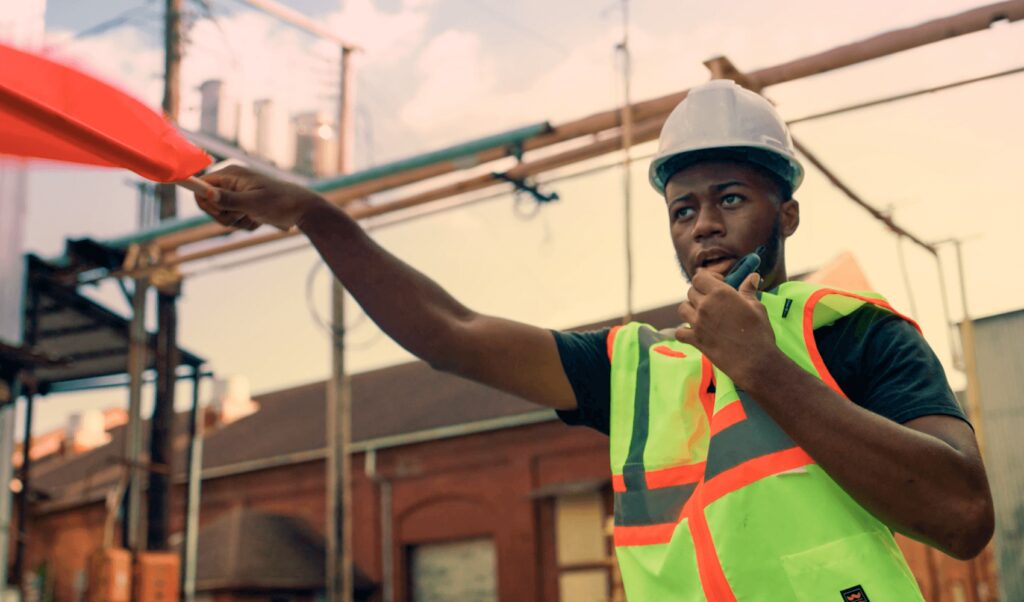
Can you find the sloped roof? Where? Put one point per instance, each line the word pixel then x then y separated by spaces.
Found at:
pixel 244 549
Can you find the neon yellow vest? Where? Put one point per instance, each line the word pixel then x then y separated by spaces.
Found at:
pixel 713 501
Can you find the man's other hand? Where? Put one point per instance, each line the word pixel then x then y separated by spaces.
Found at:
pixel 244 199
pixel 729 326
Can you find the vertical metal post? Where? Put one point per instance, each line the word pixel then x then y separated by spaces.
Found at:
pixel 970 361
pixel 138 359
pixel 158 495
pixel 13 181
pixel 346 107
pixel 192 501
pixel 7 432
pixel 339 482
pixel 21 537
pixel 627 158
pixel 31 338
pixel 162 425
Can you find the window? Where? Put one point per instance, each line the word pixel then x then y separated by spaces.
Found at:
pixel 581 548
pixel 461 571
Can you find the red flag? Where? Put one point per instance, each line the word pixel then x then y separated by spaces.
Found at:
pixel 53 111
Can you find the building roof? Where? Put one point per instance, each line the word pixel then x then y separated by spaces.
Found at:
pixel 244 549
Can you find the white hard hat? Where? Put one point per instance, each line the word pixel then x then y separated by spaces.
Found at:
pixel 720 119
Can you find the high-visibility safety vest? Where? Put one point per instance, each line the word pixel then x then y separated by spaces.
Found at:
pixel 713 501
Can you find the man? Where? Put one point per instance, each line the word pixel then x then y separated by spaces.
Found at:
pixel 765 449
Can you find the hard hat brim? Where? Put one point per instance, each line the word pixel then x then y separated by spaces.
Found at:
pixel 787 169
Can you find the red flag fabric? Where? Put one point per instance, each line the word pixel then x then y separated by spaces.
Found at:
pixel 52 111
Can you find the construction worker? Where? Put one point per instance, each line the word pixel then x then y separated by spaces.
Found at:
pixel 764 450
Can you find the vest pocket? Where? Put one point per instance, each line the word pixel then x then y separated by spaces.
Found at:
pixel 867 566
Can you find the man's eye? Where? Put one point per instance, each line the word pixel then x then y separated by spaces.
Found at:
pixel 683 213
pixel 732 199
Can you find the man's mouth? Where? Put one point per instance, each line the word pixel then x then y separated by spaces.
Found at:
pixel 717 262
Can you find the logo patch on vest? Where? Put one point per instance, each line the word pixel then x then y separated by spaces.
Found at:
pixel 854 594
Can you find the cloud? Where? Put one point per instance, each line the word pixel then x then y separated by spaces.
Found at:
pixel 455 75
pixel 385 37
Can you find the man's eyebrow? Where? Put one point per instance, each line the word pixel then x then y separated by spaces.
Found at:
pixel 724 185
pixel 685 197
pixel 717 188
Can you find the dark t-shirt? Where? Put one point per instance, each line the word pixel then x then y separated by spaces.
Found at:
pixel 880 361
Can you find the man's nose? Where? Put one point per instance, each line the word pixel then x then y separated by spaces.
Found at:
pixel 709 223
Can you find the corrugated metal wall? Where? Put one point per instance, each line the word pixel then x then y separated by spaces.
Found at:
pixel 999 343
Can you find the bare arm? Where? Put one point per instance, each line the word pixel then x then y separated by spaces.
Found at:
pixel 408 306
pixel 924 478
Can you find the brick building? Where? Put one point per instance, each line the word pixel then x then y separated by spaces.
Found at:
pixel 460 492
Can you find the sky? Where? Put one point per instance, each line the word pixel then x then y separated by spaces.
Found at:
pixel 436 72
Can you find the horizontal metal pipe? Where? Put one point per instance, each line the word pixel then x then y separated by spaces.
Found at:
pixel 346 188
pixel 642 133
pixel 875 47
pixel 891 42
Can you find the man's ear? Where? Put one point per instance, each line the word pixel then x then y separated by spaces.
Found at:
pixel 789 216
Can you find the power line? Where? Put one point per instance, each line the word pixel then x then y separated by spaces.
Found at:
pixel 519 26
pixel 209 14
pixel 879 101
pixel 116 21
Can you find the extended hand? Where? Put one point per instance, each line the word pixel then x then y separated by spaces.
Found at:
pixel 245 199
pixel 730 327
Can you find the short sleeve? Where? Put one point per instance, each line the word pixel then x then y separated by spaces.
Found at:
pixel 585 361
pixel 882 363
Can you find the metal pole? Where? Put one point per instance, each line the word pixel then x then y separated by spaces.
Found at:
pixel 138 359
pixel 7 431
pixel 31 338
pixel 627 159
pixel 339 560
pixel 158 495
pixel 297 19
pixel 970 361
pixel 192 501
pixel 18 569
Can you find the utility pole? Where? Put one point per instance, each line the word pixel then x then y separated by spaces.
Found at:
pixel 168 287
pixel 627 158
pixel 339 397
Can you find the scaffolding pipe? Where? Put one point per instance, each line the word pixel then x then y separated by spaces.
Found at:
pixel 977 19
pixel 193 485
pixel 969 358
pixel 138 351
pixel 349 187
pixel 642 133
pixel 299 20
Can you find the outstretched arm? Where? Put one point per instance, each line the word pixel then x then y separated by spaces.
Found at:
pixel 411 308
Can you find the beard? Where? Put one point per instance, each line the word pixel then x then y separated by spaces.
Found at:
pixel 769 256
